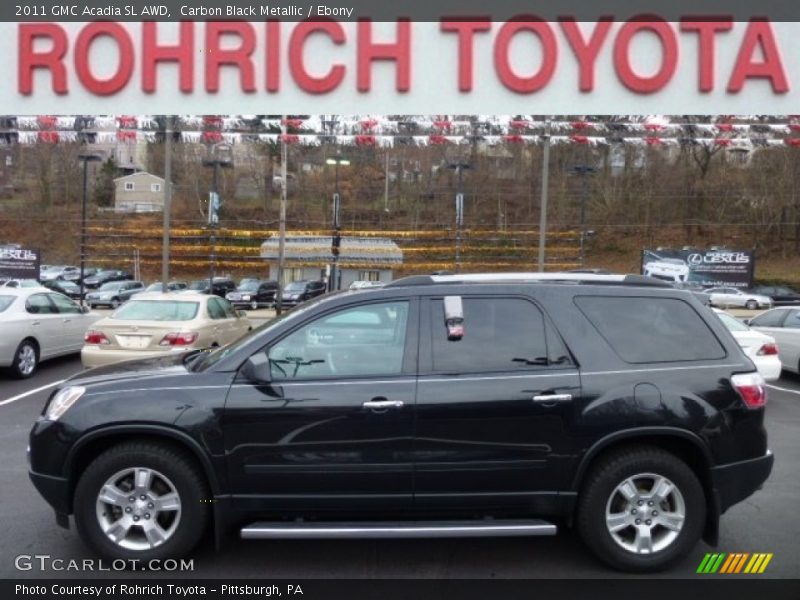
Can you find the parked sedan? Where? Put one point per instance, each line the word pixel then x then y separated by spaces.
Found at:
pixel 157 324
pixel 59 272
pixel 106 276
pixel 253 294
pixel 783 324
pixel 730 297
pixel 38 324
pixel 300 291
pixel 113 294
pixel 761 348
pixel 19 283
pixel 68 288
pixel 780 295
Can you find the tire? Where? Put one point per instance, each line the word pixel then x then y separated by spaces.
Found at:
pixel 115 303
pixel 751 305
pixel 172 471
pixel 627 549
pixel 26 359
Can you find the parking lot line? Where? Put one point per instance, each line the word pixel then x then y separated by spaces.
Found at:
pixel 30 393
pixel 781 389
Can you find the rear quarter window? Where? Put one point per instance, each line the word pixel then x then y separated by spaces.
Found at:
pixel 649 330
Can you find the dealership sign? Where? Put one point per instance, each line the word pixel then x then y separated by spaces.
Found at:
pixel 19 263
pixel 705 267
pixel 639 65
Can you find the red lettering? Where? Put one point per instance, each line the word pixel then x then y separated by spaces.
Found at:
pixel 181 53
pixel 87 36
pixel 586 52
pixel 239 57
pixel 51 59
pixel 502 61
pixel 706 51
pixel 369 51
pixel 315 84
pixel 273 56
pixel 466 33
pixel 759 34
pixel 669 59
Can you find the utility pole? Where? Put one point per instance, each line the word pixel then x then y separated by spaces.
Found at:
pixel 85 158
pixel 459 168
pixel 282 219
pixel 336 238
pixel 583 171
pixel 165 250
pixel 545 183
pixel 220 157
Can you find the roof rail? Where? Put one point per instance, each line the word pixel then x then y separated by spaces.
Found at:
pixel 576 278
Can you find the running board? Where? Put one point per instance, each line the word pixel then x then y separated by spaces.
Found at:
pixel 397 529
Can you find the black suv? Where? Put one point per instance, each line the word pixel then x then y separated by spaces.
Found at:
pixel 221 286
pixel 253 294
pixel 297 292
pixel 106 276
pixel 436 406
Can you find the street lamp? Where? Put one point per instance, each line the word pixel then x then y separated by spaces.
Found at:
pixel 459 169
pixel 85 158
pixel 584 171
pixel 220 157
pixel 336 238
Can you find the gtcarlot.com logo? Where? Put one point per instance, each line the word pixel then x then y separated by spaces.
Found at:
pixel 735 562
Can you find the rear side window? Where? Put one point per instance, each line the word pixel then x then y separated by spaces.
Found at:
pixel 771 318
pixel 5 302
pixel 647 330
pixel 500 334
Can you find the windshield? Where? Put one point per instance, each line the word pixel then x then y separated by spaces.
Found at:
pixel 154 287
pixel 296 286
pixel 198 285
pixel 68 285
pixel 249 286
pixel 157 310
pixel 732 323
pixel 28 283
pixel 114 285
pixel 5 302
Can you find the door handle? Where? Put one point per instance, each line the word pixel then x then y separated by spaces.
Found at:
pixel 552 398
pixel 382 404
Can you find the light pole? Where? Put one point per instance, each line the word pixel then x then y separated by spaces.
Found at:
pixel 220 157
pixel 459 169
pixel 85 158
pixel 584 171
pixel 336 238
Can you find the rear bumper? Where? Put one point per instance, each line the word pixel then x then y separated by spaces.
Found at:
pixel 736 481
pixel 94 356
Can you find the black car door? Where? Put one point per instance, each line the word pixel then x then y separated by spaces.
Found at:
pixel 492 406
pixel 334 426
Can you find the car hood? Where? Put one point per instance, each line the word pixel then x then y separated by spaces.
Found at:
pixel 171 364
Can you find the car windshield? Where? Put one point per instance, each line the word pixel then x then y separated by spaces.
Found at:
pixel 297 286
pixel 68 285
pixel 5 302
pixel 28 283
pixel 154 287
pixel 111 286
pixel 157 310
pixel 732 323
pixel 248 286
pixel 199 285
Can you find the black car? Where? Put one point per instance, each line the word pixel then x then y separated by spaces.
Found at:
pixel 300 291
pixel 106 276
pixel 253 294
pixel 435 406
pixel 781 295
pixel 221 286
pixel 68 288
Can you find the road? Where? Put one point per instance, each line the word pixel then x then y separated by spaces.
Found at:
pixel 766 522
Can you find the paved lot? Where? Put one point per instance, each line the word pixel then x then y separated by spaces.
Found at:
pixel 767 522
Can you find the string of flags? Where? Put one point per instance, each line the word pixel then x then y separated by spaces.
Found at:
pixel 742 132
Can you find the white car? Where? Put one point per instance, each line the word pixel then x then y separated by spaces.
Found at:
pixel 783 324
pixel 730 297
pixel 37 324
pixel 667 269
pixel 363 285
pixel 759 347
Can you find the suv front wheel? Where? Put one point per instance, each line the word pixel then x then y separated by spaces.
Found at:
pixel 641 509
pixel 143 501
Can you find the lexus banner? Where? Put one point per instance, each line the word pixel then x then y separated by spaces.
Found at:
pixel 704 267
pixel 19 263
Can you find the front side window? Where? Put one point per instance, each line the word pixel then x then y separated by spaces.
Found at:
pixel 648 330
pixel 39 304
pixel 793 320
pixel 500 334
pixel 367 340
pixel 64 305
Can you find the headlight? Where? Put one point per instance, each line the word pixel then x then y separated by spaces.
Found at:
pixel 246 297
pixel 62 401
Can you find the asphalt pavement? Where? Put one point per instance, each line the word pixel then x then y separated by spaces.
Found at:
pixel 766 522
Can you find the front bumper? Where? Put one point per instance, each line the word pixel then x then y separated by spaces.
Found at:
pixel 55 491
pixel 736 481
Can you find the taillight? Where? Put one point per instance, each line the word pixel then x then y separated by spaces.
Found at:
pixel 177 338
pixel 96 338
pixel 751 388
pixel 768 350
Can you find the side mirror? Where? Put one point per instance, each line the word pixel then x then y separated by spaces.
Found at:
pixel 257 369
pixel 85 310
pixel 747 322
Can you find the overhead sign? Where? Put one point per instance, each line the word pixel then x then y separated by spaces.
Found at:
pixel 636 66
pixel 19 263
pixel 705 267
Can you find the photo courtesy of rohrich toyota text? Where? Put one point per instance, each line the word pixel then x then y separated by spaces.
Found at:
pixel 360 299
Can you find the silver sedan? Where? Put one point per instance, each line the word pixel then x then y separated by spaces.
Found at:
pixel 38 324
pixel 730 297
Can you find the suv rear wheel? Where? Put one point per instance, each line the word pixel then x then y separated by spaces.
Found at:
pixel 641 508
pixel 142 501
